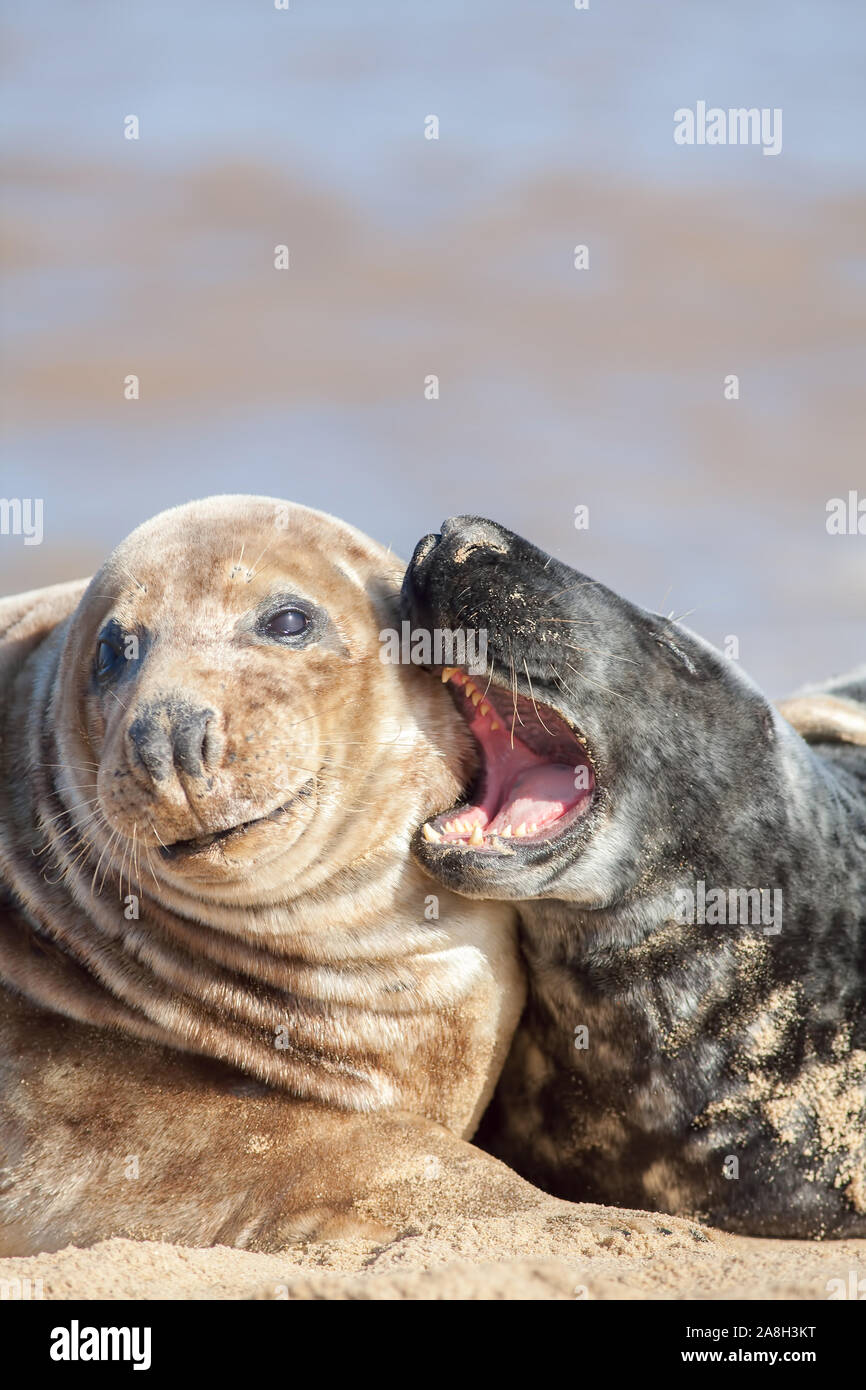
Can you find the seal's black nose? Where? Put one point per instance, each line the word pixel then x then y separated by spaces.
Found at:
pixel 173 733
pixel 465 534
pixel 435 567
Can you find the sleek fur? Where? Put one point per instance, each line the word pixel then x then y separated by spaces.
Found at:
pixel 725 1072
pixel 210 1033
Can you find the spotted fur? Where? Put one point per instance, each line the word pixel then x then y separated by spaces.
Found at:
pixel 725 1071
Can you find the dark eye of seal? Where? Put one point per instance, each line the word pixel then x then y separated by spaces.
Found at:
pixel 287 622
pixel 107 658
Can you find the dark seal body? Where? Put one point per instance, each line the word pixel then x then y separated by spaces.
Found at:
pixel 697 1061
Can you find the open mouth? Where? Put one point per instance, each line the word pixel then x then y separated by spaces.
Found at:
pixel 185 848
pixel 536 776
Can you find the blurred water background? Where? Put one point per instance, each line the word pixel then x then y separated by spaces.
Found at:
pixel 452 257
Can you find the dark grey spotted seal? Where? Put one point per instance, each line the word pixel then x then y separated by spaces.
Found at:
pixel 692 880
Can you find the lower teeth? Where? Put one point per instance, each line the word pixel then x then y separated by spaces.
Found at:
pixel 477 836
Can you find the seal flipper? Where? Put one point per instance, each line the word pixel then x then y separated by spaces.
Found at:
pixel 833 713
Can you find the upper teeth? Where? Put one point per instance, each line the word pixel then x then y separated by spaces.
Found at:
pixel 474 833
pixel 471 691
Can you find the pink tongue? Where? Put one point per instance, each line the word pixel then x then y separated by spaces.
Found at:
pixel 537 796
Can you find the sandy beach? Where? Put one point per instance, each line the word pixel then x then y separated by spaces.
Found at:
pixel 604 1253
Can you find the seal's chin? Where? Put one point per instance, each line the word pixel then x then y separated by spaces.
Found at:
pixel 536 774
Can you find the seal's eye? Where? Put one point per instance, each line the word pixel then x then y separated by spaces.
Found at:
pixel 288 622
pixel 107 657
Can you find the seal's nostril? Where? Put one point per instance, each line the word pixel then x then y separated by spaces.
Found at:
pixel 191 741
pixel 150 746
pixel 174 734
pixel 212 743
pixel 425 547
pixel 468 534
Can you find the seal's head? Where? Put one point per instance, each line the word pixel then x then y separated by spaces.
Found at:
pixel 212 763
pixel 612 742
pixel 223 719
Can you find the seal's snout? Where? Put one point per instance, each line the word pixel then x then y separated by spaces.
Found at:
pixel 436 563
pixel 465 535
pixel 460 538
pixel 173 734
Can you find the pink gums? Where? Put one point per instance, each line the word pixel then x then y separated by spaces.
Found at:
pixel 521 789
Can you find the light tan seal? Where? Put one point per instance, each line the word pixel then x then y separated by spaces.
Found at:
pixel 231 1010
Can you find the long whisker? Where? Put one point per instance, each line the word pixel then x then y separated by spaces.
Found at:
pixel 150 865
pixel 158 836
pixel 47 820
pixel 53 841
pixel 490 677
pixel 515 715
pixel 582 622
pixel 597 651
pixel 128 571
pixel 79 767
pixel 83 844
pixel 598 685
pixel 109 845
pixel 133 862
pixel 534 705
pixel 123 865
pixel 252 568
pixel 570 588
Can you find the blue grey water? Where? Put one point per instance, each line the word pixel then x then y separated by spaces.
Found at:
pixel 453 257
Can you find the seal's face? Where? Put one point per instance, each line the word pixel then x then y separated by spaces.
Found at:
pixel 585 782
pixel 229 695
